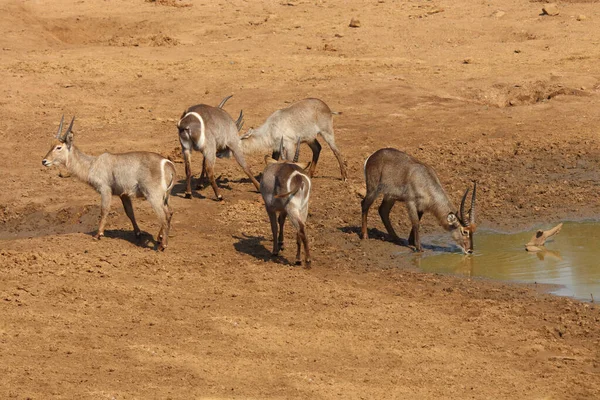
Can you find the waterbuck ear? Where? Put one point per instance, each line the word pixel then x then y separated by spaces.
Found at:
pixel 69 139
pixel 453 220
pixel 247 134
pixel 304 165
pixel 270 160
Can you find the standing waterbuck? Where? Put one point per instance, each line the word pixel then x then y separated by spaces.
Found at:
pixel 285 189
pixel 302 121
pixel 400 177
pixel 211 131
pixel 127 175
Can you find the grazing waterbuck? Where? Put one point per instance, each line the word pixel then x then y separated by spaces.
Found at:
pixel 302 121
pixel 127 175
pixel 285 189
pixel 400 177
pixel 212 131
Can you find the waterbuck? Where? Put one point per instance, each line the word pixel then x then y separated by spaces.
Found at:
pixel 400 177
pixel 211 131
pixel 127 175
pixel 302 121
pixel 285 189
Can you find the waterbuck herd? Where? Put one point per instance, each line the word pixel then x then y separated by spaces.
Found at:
pixel 285 185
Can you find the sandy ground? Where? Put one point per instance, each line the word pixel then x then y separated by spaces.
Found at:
pixel 491 91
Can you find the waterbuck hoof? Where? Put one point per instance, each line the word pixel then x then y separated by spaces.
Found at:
pixel 188 195
pixel 219 198
pixel 298 262
pixel 308 264
pixel 98 236
pixel 162 247
pixel 274 254
pixel 281 247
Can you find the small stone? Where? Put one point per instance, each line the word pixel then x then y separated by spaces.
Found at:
pixel 581 17
pixel 468 60
pixel 498 14
pixel 354 23
pixel 435 11
pixel 550 9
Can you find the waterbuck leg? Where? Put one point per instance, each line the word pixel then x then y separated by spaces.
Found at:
pixel 273 219
pixel 106 197
pixel 199 183
pixel 384 213
pixel 366 204
pixel 304 237
pixel 315 146
pixel 210 163
pixel 161 211
pixel 415 217
pixel 328 137
pixel 126 200
pixel 281 219
pixel 239 157
pixel 187 157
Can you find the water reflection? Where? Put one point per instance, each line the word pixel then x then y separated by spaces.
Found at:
pixel 570 259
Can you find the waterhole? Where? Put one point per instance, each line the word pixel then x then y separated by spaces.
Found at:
pixel 570 260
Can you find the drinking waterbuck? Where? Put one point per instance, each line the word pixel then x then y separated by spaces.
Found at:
pixel 210 130
pixel 302 121
pixel 127 175
pixel 285 188
pixel 400 177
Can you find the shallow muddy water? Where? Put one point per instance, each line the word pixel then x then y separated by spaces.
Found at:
pixel 571 259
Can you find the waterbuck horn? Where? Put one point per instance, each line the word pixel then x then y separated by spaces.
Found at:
pixel 472 210
pixel 64 137
pixel 222 103
pixel 240 121
pixel 463 219
pixel 283 156
pixel 60 127
pixel 297 155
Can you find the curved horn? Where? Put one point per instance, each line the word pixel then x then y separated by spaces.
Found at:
pixel 62 119
pixel 283 157
pixel 240 121
pixel 297 155
pixel 472 210
pixel 222 103
pixel 463 219
pixel 68 129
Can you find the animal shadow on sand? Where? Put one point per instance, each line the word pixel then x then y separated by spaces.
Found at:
pixel 380 235
pixel 146 239
pixel 252 245
pixel 197 185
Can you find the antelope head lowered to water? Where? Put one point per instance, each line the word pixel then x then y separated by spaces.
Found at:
pixel 127 175
pixel 285 188
pixel 400 177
